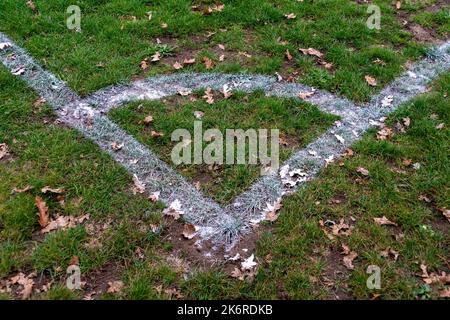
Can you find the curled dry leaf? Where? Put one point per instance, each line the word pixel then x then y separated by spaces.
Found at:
pixel 26 282
pixel 116 146
pixel 383 221
pixel 208 63
pixel 445 213
pixel 156 134
pixel 43 212
pixel 174 210
pixel 371 80
pixel 64 222
pixel 177 66
pixel 208 96
pixel 148 119
pixel 189 231
pixel 139 187
pixel 39 102
pixel 363 171
pixel 154 196
pixel 189 61
pixel 156 57
pixel 305 95
pixel 226 91
pixel 18 71
pixel 115 286
pixel 384 134
pixel 440 126
pixel 288 55
pixel 290 16
pixel 311 52
pixel 144 64
pixel 52 190
pixel 21 190
pixel 271 211
pixel 387 101
pixel 349 257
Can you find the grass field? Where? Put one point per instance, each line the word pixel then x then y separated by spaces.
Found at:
pixel 117 35
pixel 125 242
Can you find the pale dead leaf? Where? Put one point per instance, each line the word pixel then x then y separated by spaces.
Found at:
pixel 199 114
pixel 21 190
pixel 208 63
pixel 115 286
pixel 349 257
pixel 249 263
pixel 174 210
pixel 189 61
pixel 305 95
pixel 139 187
pixel 288 55
pixel 362 171
pixel 389 253
pixel 189 231
pixel 144 64
pixel 383 221
pixel 148 119
pixel 311 52
pixel 116 146
pixel 156 57
pixel 43 212
pixel 290 16
pixel 271 211
pixel 156 134
pixel 154 196
pixel 52 190
pixel 4 45
pixel 177 66
pixel 208 96
pixel 371 80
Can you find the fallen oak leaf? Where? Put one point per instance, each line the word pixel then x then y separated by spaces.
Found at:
pixel 189 61
pixel 115 286
pixel 43 212
pixel 349 257
pixel 156 134
pixel 362 171
pixel 305 95
pixel 139 187
pixel 290 16
pixel 288 55
pixel 148 119
pixel 271 210
pixel 208 96
pixel 177 66
pixel 4 150
pixel 21 190
pixel 116 146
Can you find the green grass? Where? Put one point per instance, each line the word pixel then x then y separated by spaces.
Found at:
pixel 298 123
pixel 117 35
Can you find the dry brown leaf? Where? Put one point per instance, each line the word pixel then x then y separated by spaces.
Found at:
pixel 440 126
pixel 116 146
pixel 43 212
pixel 398 4
pixel 174 210
pixel 311 52
pixel 21 190
pixel 383 221
pixel 154 196
pixel 384 133
pixel 31 5
pixel 164 25
pixel 115 286
pixel 177 66
pixel 407 121
pixel 290 16
pixel 271 211
pixel 148 119
pixel 174 293
pixel 348 153
pixel 371 80
pixel 156 134
pixel 52 190
pixel 288 55
pixel 349 257
pixel 189 231
pixel 305 95
pixel 363 171
pixel 189 61
pixel 144 64
pixel 208 96
pixel 445 213
pixel 156 57
pixel 139 187
pixel 221 47
pixel 208 63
